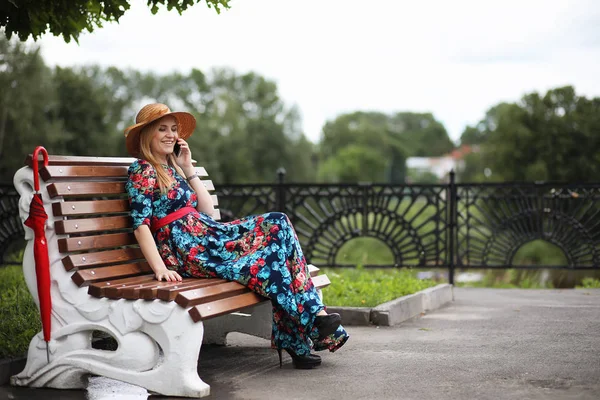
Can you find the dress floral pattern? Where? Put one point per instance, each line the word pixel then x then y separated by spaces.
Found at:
pixel 261 252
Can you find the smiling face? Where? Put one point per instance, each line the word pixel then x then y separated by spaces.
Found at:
pixel 164 137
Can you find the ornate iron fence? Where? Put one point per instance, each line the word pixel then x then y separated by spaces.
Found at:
pixel 467 226
pixel 11 228
pixel 494 221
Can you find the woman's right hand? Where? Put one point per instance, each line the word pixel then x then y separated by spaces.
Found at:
pixel 168 275
pixel 149 250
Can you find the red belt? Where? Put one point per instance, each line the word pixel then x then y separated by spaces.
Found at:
pixel 166 220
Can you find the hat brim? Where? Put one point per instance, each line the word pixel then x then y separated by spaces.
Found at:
pixel 186 125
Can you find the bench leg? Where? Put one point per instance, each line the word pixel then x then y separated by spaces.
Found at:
pixel 162 358
pixel 39 373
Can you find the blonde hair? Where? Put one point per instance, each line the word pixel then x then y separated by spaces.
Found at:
pixel 164 179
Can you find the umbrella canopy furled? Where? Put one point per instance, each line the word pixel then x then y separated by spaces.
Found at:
pixel 37 222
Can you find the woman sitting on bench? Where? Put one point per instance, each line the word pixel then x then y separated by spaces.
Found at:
pixel 171 211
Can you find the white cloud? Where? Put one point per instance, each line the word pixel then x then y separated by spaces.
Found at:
pixel 454 59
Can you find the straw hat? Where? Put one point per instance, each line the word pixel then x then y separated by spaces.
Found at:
pixel 150 113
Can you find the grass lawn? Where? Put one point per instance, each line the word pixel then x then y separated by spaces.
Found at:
pixel 20 317
pixel 362 287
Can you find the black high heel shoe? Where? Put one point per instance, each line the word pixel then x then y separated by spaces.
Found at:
pixel 301 362
pixel 327 324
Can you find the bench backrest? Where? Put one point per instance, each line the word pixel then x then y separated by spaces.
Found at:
pixel 94 216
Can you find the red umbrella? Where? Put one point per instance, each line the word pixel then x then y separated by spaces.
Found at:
pixel 37 221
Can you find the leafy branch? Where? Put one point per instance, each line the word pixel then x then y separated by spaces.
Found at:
pixel 71 17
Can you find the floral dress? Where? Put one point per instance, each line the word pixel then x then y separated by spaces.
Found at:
pixel 261 252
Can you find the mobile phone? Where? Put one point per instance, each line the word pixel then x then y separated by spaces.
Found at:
pixel 177 149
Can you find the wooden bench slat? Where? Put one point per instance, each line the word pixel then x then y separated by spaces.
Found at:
pixel 78 208
pixel 170 292
pixel 321 281
pixel 145 287
pixel 85 277
pixel 194 297
pixel 184 293
pixel 90 207
pixel 81 160
pixel 224 306
pixel 117 291
pixel 151 293
pixel 235 303
pixel 91 225
pixel 92 260
pixel 82 243
pixel 71 189
pixel 87 225
pixel 97 289
pixel 62 172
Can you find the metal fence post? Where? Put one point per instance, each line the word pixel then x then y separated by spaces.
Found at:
pixel 281 189
pixel 453 208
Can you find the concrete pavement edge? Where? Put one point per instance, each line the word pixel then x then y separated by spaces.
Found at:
pixel 398 310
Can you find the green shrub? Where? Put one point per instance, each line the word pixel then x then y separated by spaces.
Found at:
pixel 361 287
pixel 589 283
pixel 20 316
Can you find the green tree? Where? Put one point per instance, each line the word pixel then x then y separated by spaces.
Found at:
pixel 553 137
pixel 393 138
pixel 422 135
pixel 476 164
pixel 27 104
pixel 245 132
pixel 351 164
pixel 473 135
pixel 82 108
pixel 350 144
pixel 69 18
pixel 367 129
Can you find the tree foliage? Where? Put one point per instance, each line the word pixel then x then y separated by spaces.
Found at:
pixel 358 147
pixel 389 138
pixel 551 137
pixel 351 164
pixel 27 101
pixel 421 133
pixel 245 132
pixel 69 18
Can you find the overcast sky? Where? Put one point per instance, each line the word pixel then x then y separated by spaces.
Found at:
pixel 455 58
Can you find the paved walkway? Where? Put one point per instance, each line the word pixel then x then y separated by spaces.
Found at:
pixel 487 344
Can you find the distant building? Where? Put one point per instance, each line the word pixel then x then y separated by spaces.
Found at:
pixel 441 166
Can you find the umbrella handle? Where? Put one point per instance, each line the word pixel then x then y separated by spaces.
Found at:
pixel 36 177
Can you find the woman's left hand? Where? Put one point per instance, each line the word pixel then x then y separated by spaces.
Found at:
pixel 184 160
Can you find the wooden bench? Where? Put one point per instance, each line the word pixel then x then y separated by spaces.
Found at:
pixel 101 282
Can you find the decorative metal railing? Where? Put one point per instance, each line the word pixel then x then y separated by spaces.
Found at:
pixel 494 221
pixel 449 226
pixel 11 228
